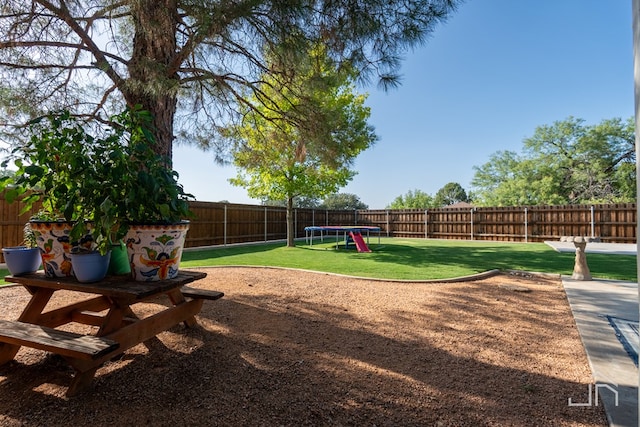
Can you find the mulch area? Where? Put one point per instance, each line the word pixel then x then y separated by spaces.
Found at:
pixel 292 348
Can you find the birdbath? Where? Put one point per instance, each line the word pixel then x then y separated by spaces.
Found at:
pixel 580 269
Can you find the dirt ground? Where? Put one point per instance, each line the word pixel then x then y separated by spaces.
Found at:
pixel 293 348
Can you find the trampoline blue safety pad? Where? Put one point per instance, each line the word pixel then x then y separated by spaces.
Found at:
pixel 348 232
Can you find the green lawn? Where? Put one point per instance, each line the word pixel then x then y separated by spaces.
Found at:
pixel 415 259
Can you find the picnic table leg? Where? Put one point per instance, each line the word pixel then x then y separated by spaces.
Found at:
pixel 151 343
pixel 114 318
pixel 80 381
pixel 8 352
pixel 142 330
pixel 131 335
pixel 177 298
pixel 84 377
pixel 39 300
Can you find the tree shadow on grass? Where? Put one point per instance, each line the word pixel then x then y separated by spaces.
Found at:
pixel 480 257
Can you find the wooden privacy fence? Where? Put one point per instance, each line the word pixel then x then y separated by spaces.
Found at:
pixel 614 223
pixel 224 223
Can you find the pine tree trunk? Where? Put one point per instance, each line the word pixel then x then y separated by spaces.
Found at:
pixel 153 79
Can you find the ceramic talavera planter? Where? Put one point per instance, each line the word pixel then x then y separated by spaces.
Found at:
pixel 155 250
pixel 55 247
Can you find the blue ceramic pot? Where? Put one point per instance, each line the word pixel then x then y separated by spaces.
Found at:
pixel 21 259
pixel 90 266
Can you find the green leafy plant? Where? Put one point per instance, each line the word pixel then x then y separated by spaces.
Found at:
pixel 147 187
pixel 61 166
pixel 99 184
pixel 29 237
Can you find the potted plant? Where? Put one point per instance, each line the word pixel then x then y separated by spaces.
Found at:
pixel 63 166
pixel 103 187
pixel 25 258
pixel 153 205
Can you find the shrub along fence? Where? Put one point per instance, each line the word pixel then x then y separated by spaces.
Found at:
pixel 226 223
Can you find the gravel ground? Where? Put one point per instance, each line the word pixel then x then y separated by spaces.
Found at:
pixel 292 348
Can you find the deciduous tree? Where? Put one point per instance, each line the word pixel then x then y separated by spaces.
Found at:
pixel 343 201
pixel 279 160
pixel 416 199
pixel 567 162
pixel 451 193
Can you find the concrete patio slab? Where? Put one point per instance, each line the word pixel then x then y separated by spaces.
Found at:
pixel 596 247
pixel 615 374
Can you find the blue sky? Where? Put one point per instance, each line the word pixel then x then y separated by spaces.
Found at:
pixel 482 83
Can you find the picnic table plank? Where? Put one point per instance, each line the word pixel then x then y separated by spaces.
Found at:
pixel 61 342
pixel 201 293
pixel 112 286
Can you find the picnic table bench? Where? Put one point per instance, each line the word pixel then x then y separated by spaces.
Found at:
pixel 108 308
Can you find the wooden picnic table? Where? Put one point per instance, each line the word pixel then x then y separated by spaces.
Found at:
pixel 108 307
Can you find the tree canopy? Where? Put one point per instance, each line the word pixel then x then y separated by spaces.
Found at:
pixel 298 202
pixel 279 160
pixel 450 194
pixel 192 64
pixel 413 199
pixel 567 162
pixel 343 201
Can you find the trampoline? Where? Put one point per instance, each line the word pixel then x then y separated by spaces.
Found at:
pixel 348 232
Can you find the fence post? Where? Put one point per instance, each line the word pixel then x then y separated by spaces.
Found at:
pixel 593 226
pixel 225 224
pixel 295 224
pixel 387 223
pixel 526 226
pixel 265 223
pixel 426 223
pixel 471 223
